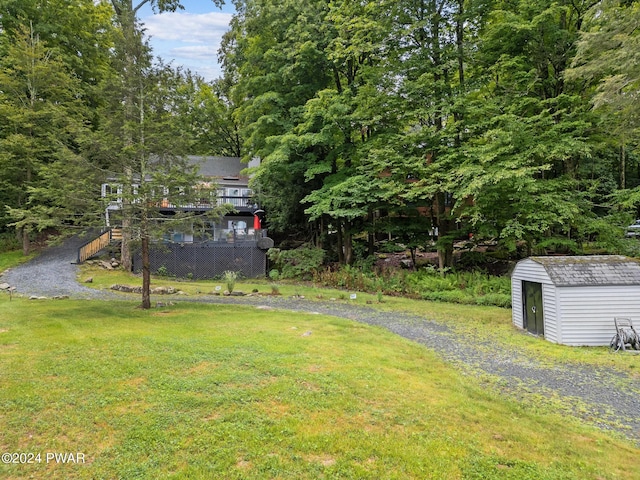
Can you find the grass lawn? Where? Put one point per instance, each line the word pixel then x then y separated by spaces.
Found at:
pixel 208 391
pixel 492 325
pixel 13 258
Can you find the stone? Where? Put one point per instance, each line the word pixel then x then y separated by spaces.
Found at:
pixel 61 297
pixel 4 286
pixel 406 263
pixel 89 280
pixel 34 297
pixel 106 265
pixel 126 288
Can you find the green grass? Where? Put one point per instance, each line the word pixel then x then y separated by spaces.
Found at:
pixel 12 258
pixel 490 325
pixel 206 391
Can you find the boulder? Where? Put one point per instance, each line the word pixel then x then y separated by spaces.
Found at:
pixel 4 286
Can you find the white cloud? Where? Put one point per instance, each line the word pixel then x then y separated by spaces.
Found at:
pixel 188 27
pixel 187 39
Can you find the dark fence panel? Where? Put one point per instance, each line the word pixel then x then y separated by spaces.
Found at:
pixel 205 260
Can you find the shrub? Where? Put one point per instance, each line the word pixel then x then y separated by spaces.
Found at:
pixel 497 299
pixel 230 278
pixel 302 262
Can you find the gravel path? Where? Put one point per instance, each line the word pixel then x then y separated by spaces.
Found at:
pixel 604 397
pixel 52 273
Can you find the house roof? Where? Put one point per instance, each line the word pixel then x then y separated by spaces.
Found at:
pixel 219 167
pixel 591 270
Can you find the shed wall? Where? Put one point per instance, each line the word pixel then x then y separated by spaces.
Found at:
pixel 586 313
pixel 531 271
pixel 552 331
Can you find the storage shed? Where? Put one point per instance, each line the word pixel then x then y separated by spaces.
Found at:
pixel 573 300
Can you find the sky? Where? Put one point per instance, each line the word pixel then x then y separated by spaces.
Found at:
pixel 191 37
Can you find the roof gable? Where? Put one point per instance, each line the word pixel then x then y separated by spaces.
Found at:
pixel 591 270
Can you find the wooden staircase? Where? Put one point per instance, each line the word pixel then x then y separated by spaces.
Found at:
pixel 102 241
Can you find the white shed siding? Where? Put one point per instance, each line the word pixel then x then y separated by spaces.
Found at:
pixel 531 271
pixel 587 313
pixel 550 314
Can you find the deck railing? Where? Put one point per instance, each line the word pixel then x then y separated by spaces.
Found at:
pixel 92 247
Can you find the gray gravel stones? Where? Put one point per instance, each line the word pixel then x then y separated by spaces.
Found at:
pixel 52 274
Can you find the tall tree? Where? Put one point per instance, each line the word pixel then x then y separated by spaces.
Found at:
pixel 607 60
pixel 133 62
pixel 528 129
pixel 68 42
pixel 42 124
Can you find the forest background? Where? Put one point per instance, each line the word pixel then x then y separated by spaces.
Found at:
pixel 378 123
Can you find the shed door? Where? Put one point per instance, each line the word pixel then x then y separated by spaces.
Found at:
pixel 533 314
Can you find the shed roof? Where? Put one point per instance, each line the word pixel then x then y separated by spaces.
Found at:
pixel 591 270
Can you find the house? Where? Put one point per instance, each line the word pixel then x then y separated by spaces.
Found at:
pixel 574 300
pixel 236 242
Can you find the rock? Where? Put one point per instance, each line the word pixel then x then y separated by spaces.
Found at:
pixel 406 263
pixel 126 288
pixel 237 294
pixel 34 297
pixel 106 265
pixel 89 280
pixel 61 297
pixel 115 264
pixel 163 290
pixel 306 334
pixel 4 286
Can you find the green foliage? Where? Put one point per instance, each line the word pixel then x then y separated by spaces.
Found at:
pixel 460 287
pixel 302 262
pixel 9 242
pixel 230 278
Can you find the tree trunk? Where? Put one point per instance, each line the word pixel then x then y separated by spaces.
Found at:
pixel 340 245
pixel 623 167
pixel 348 245
pixel 26 242
pixel 146 274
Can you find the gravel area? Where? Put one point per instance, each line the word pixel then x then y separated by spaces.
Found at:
pixel 604 397
pixel 52 273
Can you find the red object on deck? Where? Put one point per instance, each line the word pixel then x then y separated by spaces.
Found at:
pixel 256 222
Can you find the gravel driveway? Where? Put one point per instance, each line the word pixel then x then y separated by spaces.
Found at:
pixel 603 397
pixel 52 273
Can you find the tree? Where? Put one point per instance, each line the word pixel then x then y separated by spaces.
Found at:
pixel 132 61
pixel 42 124
pixel 54 54
pixel 607 59
pixel 207 114
pixel 519 176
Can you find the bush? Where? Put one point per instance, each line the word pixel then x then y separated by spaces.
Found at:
pixel 9 242
pixel 303 262
pixel 429 284
pixel 230 278
pixel 496 299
